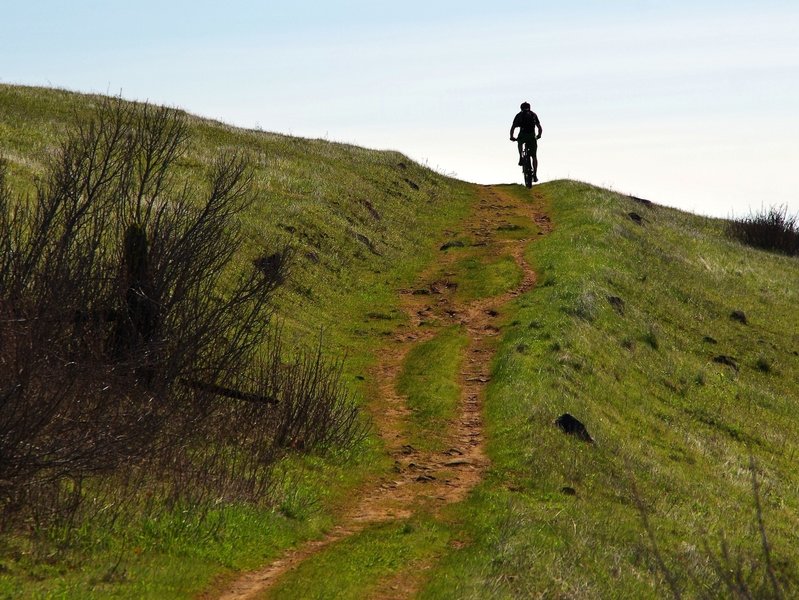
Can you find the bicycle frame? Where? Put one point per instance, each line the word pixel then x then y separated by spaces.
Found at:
pixel 527 166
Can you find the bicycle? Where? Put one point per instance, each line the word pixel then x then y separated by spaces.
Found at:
pixel 527 166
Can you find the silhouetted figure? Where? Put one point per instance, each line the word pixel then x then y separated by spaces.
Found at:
pixel 527 122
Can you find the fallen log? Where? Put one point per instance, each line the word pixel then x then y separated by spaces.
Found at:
pixel 219 390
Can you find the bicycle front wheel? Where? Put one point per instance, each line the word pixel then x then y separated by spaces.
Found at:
pixel 527 167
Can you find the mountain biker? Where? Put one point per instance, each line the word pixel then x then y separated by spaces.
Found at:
pixel 527 122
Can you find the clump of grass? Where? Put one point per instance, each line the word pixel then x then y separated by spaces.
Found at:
pixel 585 307
pixel 429 380
pixel 483 278
pixel 771 229
pixel 763 364
pixel 650 337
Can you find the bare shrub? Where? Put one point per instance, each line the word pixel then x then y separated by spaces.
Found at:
pixel 112 298
pixel 772 229
pixel 314 411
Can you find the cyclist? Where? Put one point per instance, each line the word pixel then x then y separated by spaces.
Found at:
pixel 527 122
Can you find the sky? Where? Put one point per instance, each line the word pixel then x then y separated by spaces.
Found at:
pixel 692 104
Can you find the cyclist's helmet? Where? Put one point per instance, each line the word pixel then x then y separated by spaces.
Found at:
pixel 525 105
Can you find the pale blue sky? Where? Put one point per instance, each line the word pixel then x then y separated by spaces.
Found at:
pixel 691 104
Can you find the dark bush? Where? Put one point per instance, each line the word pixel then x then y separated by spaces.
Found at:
pixel 772 229
pixel 315 411
pixel 126 339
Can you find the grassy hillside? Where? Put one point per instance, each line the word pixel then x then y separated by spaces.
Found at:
pixel 636 327
pixel 625 331
pixel 362 222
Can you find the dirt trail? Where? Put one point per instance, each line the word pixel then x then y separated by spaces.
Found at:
pixel 427 480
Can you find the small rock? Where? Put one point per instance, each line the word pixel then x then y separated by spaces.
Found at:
pixel 641 200
pixel 722 359
pixel 572 426
pixel 617 304
pixel 636 218
pixel 569 491
pixel 452 244
pixel 366 242
pixel 425 478
pixel 372 210
pixel 408 449
pixel 739 315
pixel 709 340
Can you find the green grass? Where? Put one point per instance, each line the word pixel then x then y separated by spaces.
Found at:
pixel 515 228
pixel 485 277
pixel 674 429
pixel 355 566
pixel 170 556
pixel 430 382
pixel 179 552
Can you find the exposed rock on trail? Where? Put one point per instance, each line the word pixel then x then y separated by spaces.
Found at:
pixel 423 480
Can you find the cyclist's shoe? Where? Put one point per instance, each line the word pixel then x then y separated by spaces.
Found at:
pixel 535 177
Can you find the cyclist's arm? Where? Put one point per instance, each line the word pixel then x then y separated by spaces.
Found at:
pixel 540 129
pixel 516 123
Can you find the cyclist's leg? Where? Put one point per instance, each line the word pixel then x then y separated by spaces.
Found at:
pixel 534 152
pixel 520 143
